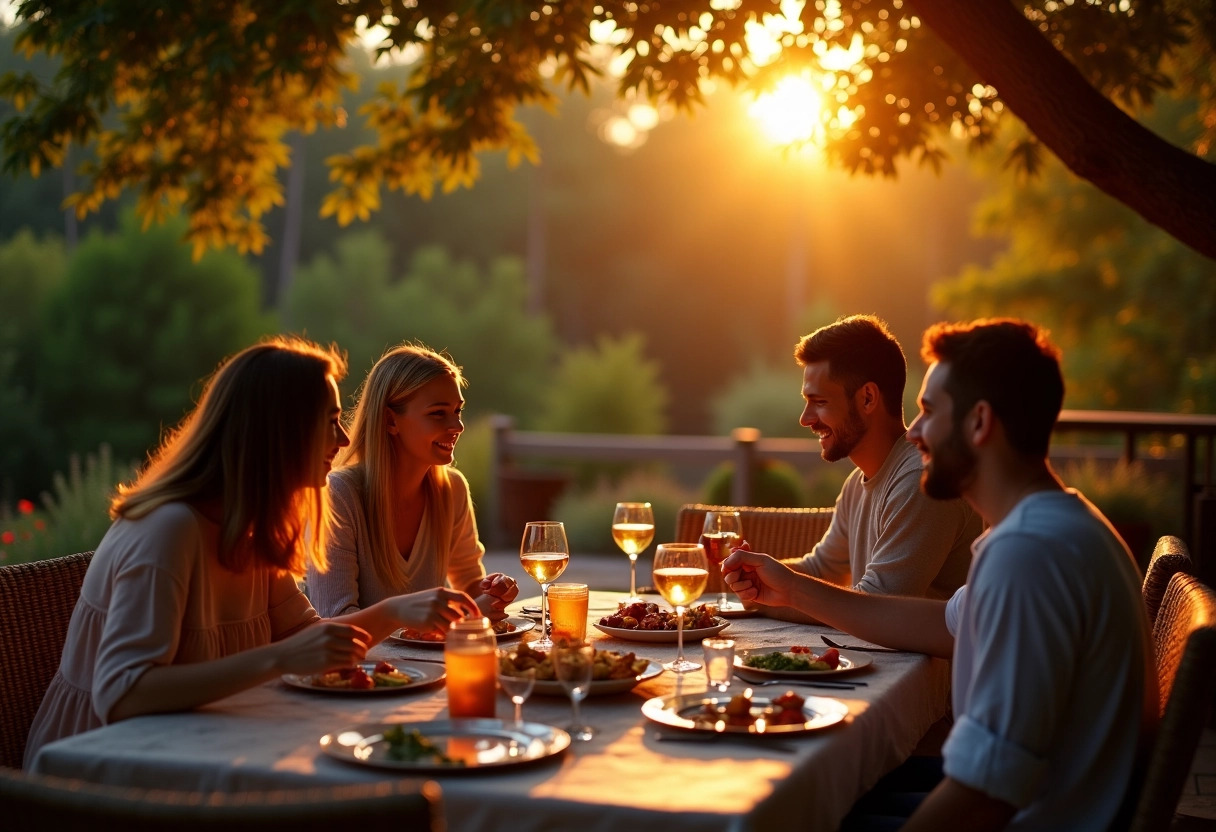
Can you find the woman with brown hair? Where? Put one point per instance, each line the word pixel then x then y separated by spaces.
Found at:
pixel 403 518
pixel 191 595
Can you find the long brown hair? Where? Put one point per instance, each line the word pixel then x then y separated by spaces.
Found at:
pixel 254 442
pixel 398 374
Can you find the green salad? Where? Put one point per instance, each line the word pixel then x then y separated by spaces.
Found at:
pixel 412 747
pixel 784 661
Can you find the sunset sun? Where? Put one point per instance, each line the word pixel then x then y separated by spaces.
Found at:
pixel 790 112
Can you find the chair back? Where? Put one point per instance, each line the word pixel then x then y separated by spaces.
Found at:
pixel 1169 556
pixel 1184 640
pixel 780 532
pixel 36 603
pixel 39 802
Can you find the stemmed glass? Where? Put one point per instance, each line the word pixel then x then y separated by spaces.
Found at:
pixel 680 574
pixel 518 687
pixel 723 531
pixel 633 529
pixel 544 553
pixel 572 664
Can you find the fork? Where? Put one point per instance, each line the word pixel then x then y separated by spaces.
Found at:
pixel 792 683
pixel 831 643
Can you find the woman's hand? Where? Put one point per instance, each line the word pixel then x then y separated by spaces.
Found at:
pixel 494 593
pixel 433 609
pixel 322 646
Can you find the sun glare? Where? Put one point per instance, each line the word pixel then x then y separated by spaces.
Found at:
pixel 791 112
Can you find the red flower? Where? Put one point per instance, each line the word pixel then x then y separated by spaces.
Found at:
pixel 25 507
pixel 8 537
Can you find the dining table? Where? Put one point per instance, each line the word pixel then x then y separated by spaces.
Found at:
pixel 634 774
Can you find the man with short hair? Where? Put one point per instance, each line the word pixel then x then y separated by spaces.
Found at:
pixel 1053 688
pixel 886 536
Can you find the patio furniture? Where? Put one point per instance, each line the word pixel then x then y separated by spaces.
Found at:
pixel 36 603
pixel 1170 555
pixel 38 803
pixel 1184 637
pixel 780 532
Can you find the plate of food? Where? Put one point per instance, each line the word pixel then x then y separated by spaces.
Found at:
pixel 368 678
pixel 505 630
pixel 745 713
pixel 612 671
pixel 797 662
pixel 449 746
pixel 648 622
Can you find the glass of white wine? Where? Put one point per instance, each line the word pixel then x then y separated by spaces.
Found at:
pixel 723 531
pixel 680 573
pixel 633 529
pixel 544 554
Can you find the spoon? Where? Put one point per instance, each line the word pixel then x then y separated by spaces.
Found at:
pixel 831 643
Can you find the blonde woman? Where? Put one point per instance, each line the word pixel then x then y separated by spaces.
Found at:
pixel 403 518
pixel 191 595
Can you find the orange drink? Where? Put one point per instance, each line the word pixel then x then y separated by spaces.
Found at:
pixel 568 611
pixel 472 667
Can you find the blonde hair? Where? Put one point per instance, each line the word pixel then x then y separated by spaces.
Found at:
pixel 397 376
pixel 255 442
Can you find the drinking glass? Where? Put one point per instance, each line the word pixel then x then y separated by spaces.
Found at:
pixel 633 529
pixel 572 664
pixel 544 553
pixel 723 530
pixel 516 685
pixel 719 661
pixel 680 573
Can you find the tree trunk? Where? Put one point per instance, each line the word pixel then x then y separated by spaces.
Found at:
pixel 1169 187
pixel 293 215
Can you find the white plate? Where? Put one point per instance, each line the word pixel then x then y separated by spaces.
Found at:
pixel 850 661
pixel 519 627
pixel 603 687
pixel 663 636
pixel 481 743
pixel 677 712
pixel 420 675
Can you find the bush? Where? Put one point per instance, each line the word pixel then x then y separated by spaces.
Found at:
pixel 777 484
pixel 588 513
pixel 611 388
pixel 473 459
pixel 767 398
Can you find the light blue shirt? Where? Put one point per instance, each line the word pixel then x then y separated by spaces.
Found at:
pixel 1050 659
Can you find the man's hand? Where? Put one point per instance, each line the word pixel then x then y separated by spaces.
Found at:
pixel 757 578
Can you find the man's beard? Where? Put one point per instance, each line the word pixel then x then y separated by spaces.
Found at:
pixel 844 439
pixel 949 468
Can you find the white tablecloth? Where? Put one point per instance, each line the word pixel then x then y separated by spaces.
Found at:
pixel 623 779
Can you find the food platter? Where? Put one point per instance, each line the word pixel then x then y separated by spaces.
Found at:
pixel 420 676
pixel 679 712
pixel 602 687
pixel 663 636
pixel 477 743
pixel 850 662
pixel 519 626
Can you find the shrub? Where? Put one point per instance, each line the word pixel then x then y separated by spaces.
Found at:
pixel 588 513
pixel 766 398
pixel 777 484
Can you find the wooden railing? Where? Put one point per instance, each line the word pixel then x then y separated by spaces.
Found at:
pixel 745 447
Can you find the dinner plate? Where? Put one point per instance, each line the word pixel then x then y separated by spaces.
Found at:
pixel 602 687
pixel 663 636
pixel 480 743
pixel 519 626
pixel 420 675
pixel 679 712
pixel 850 662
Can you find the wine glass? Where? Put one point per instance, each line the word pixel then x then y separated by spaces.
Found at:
pixel 572 664
pixel 680 574
pixel 633 529
pixel 517 685
pixel 544 553
pixel 723 531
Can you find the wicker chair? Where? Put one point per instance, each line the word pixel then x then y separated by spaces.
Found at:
pixel 1184 638
pixel 1169 556
pixel 38 803
pixel 780 532
pixel 36 603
